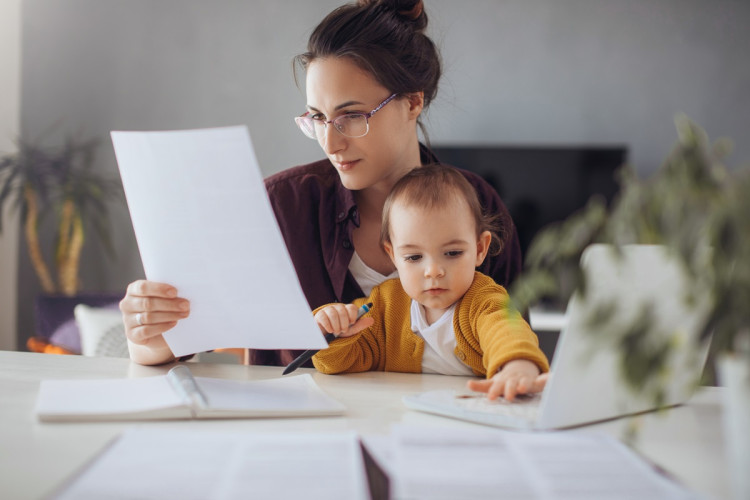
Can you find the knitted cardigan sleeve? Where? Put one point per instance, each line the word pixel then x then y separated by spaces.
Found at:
pixel 489 333
pixel 388 345
pixel 359 353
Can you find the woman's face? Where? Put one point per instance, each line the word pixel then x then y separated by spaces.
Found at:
pixel 336 86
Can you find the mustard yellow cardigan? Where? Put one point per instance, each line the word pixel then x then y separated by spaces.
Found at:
pixel 488 334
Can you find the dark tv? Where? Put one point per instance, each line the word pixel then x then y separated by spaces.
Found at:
pixel 541 185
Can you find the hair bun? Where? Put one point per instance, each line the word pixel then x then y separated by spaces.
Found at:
pixel 413 13
pixel 386 39
pixel 411 10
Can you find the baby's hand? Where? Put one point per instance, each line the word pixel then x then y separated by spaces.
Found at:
pixel 519 376
pixel 341 319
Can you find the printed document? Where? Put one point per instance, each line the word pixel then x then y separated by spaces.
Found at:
pixel 204 224
pixel 440 463
pixel 197 464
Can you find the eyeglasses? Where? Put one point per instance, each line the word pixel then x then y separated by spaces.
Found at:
pixel 349 125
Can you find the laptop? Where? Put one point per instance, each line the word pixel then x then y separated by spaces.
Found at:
pixel 585 383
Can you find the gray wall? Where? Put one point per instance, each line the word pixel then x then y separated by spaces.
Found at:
pixel 10 119
pixel 516 72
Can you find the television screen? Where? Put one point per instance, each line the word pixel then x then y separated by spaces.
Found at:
pixel 541 185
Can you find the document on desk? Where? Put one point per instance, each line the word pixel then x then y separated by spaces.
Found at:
pixel 198 464
pixel 446 463
pixel 204 224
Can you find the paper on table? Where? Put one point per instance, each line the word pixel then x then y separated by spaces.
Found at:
pixel 204 224
pixel 441 463
pixel 189 464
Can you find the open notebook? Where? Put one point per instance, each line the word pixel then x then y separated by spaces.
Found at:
pixel 179 395
pixel 585 384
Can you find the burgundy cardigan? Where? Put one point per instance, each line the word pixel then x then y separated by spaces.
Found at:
pixel 317 215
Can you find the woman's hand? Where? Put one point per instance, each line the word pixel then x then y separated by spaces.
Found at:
pixel 148 310
pixel 519 376
pixel 341 319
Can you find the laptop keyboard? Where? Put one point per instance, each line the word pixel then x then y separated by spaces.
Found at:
pixel 523 407
pixel 521 413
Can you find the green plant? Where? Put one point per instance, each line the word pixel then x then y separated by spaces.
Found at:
pixel 58 181
pixel 696 207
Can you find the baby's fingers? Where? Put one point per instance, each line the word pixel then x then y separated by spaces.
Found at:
pixel 322 320
pixel 342 317
pixel 479 385
pixel 540 382
pixel 502 387
pixel 333 319
pixel 494 387
pixel 357 327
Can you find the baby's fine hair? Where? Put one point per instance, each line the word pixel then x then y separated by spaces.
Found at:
pixel 433 186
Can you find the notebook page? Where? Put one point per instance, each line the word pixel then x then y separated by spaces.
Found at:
pixel 105 396
pixel 184 384
pixel 297 394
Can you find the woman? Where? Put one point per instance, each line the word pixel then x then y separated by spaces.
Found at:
pixel 370 72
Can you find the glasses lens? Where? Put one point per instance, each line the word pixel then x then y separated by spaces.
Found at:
pixel 352 125
pixel 305 124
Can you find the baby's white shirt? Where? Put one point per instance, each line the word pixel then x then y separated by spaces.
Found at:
pixel 439 342
pixel 366 277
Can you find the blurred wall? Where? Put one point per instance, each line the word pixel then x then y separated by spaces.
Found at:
pixel 516 72
pixel 10 106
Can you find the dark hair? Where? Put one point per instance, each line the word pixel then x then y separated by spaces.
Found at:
pixel 383 37
pixel 434 185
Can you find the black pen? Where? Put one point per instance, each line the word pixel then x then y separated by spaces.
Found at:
pixel 302 358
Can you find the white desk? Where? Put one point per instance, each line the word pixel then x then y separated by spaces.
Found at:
pixel 35 458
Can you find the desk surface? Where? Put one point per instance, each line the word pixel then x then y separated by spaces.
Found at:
pixel 35 458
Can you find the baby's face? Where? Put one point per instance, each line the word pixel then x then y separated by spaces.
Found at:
pixel 436 252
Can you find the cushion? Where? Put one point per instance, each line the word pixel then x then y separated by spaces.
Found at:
pixel 67 336
pixel 55 323
pixel 102 331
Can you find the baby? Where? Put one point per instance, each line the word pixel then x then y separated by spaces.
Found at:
pixel 440 315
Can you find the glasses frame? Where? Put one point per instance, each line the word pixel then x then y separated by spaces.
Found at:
pixel 304 119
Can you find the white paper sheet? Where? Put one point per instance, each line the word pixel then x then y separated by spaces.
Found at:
pixel 190 464
pixel 204 224
pixel 440 463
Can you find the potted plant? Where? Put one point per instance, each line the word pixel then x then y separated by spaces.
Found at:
pixel 58 183
pixel 700 210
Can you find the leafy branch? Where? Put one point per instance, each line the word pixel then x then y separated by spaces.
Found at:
pixel 693 205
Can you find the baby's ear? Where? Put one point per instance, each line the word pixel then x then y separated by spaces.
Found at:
pixel 389 250
pixel 483 246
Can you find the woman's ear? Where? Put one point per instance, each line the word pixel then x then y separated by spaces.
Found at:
pixel 416 103
pixel 483 246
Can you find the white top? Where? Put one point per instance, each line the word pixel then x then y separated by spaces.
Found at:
pixel 366 277
pixel 439 342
